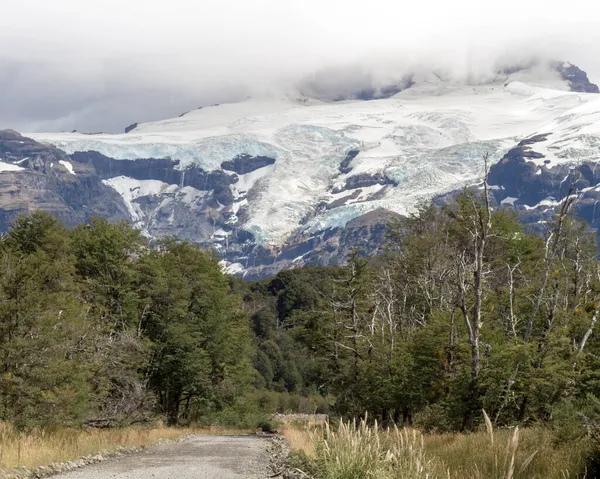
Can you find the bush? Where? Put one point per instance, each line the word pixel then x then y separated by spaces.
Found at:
pixel 268 425
pixel 433 418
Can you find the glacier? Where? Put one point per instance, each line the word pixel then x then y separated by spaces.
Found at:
pixel 420 143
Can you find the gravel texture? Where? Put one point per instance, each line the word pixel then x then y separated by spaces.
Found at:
pixel 202 457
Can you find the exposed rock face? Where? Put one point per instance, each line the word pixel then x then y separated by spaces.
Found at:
pixel 345 165
pixel 342 201
pixel 192 204
pixel 577 78
pixel 365 235
pixel 162 170
pixel 536 191
pixel 198 205
pixel 131 127
pixel 362 89
pixel 364 180
pixel 386 91
pixel 243 164
pixel 41 180
pixel 514 176
pixel 308 183
pixel 517 176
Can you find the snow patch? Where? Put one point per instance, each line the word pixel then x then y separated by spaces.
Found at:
pixel 68 166
pixel 509 200
pixel 9 167
pixel 231 268
pixel 130 189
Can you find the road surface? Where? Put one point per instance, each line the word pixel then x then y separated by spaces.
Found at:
pixel 200 457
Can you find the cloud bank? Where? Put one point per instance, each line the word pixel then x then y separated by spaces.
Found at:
pixel 100 65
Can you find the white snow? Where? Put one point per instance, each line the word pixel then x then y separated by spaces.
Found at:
pixel 429 139
pixel 68 166
pixel 509 200
pixel 548 202
pixel 231 268
pixel 9 167
pixel 298 258
pixel 246 182
pixel 131 189
pixel 189 195
pixel 221 233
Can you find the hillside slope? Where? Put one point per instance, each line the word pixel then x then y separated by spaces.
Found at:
pixel 279 182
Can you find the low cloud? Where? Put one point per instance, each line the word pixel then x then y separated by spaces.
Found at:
pixel 101 65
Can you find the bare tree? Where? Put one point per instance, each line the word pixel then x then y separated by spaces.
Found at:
pixel 470 277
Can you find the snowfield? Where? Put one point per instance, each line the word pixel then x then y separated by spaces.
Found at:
pixel 426 140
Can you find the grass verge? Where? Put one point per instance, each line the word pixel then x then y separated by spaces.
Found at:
pixel 358 450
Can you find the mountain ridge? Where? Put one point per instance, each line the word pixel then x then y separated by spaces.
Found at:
pixel 272 184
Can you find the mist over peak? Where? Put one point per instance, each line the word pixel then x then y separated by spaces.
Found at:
pixel 99 66
pixel 359 83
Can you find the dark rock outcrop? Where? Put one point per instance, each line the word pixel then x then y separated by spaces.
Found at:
pixel 162 169
pixel 535 192
pixel 243 164
pixel 342 201
pixel 365 235
pixel 43 183
pixel 345 164
pixel 519 177
pixel 374 92
pixel 131 127
pixel 364 180
pixel 577 78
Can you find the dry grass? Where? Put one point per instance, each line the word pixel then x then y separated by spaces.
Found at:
pixel 532 454
pixel 39 448
pixel 353 450
pixel 300 440
pixel 302 434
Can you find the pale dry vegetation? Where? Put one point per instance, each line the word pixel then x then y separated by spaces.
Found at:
pixel 40 447
pixel 303 435
pixel 358 450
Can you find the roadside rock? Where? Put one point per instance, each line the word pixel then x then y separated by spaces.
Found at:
pixel 279 453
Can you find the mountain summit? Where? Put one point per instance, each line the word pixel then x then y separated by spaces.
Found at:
pixel 280 182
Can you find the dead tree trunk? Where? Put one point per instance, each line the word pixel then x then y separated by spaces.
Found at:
pixel 479 230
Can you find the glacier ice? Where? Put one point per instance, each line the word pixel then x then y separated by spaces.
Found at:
pixel 427 140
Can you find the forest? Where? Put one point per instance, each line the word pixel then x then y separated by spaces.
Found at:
pixel 468 310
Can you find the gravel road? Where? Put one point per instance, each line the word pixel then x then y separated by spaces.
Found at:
pixel 205 457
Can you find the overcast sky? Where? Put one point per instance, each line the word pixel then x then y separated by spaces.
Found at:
pixel 98 65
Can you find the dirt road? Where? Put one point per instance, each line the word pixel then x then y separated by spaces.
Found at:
pixel 205 457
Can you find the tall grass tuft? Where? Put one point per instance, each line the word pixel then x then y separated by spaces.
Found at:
pixel 351 450
pixel 512 454
pixel 489 427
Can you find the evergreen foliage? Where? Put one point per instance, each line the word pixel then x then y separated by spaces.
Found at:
pixel 466 311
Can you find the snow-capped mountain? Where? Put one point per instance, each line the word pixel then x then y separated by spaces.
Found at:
pixel 283 181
